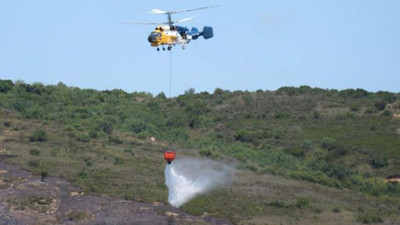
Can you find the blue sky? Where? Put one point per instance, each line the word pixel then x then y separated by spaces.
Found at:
pixel 257 45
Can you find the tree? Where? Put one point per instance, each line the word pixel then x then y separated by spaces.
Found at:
pixel 6 85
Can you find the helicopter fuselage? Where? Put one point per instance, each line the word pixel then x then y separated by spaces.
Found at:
pixel 171 35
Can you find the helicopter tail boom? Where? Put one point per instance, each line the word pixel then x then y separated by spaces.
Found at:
pixel 207 33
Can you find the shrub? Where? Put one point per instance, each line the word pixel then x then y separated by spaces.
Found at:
pixel 82 175
pixel 279 204
pixel 33 163
pixel 337 171
pixel 83 138
pixel 298 152
pixel 118 161
pixel 336 210
pixel 115 140
pixel 387 96
pixel 93 134
pixel 329 143
pixel 387 113
pixel 38 135
pixel 161 96
pixel 306 144
pixel 35 152
pixel 316 115
pixel 206 152
pixel 105 126
pixel 244 136
pixel 380 105
pixel 6 85
pixel 302 202
pixel 379 162
pixel 282 115
pixel 354 107
pixel 76 215
pixel 137 126
pixel 369 218
pixel 351 93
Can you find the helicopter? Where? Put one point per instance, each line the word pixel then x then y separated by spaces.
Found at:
pixel 168 34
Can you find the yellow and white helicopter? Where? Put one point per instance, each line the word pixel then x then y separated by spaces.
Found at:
pixel 167 34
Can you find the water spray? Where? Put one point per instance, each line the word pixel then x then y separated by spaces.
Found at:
pixel 188 178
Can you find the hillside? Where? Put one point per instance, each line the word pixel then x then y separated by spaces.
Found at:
pixel 303 155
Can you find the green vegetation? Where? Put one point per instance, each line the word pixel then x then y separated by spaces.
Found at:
pixel 100 141
pixel 33 202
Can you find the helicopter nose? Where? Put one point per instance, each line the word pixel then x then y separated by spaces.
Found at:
pixel 152 38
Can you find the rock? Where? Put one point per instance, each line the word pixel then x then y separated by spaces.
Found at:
pixel 156 203
pixel 143 209
pixel 171 214
pixel 74 193
pixel 3 172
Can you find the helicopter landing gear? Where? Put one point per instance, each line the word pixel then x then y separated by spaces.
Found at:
pixel 158 49
pixel 183 47
pixel 163 48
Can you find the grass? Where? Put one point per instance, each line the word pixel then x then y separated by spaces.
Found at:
pixel 33 202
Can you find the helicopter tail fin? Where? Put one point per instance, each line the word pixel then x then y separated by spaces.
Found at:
pixel 195 32
pixel 208 32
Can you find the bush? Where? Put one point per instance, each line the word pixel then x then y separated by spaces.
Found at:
pixel 329 143
pixel 38 135
pixel 380 105
pixel 244 136
pixel 118 161
pixel 35 152
pixel 302 202
pixel 337 171
pixel 351 93
pixel 279 204
pixel 316 115
pixel 369 218
pixel 354 107
pixel 33 163
pixel 93 134
pixel 379 162
pixel 387 113
pixel 105 126
pixel 82 175
pixel 83 138
pixel 298 152
pixel 34 113
pixel 336 210
pixel 115 140
pixel 161 96
pixel 282 115
pixel 6 85
pixel 306 144
pixel 137 126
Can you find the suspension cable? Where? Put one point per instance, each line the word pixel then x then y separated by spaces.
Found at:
pixel 170 73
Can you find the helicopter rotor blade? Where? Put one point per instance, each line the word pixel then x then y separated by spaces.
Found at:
pixel 189 10
pixel 157 11
pixel 142 23
pixel 184 20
